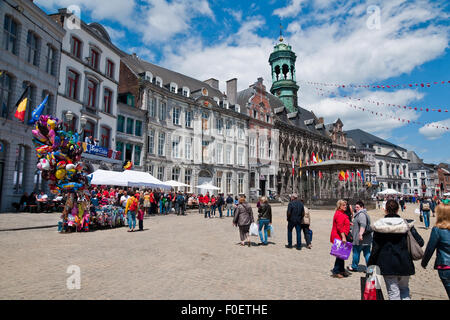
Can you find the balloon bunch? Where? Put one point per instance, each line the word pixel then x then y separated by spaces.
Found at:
pixel 59 153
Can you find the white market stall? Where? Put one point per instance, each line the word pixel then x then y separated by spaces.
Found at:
pixel 143 179
pixel 207 186
pixel 389 192
pixel 108 178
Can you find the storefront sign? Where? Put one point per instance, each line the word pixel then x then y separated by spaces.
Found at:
pixel 101 151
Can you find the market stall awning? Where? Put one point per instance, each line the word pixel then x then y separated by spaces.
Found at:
pixel 207 186
pixel 336 165
pixel 143 179
pixel 389 191
pixel 108 178
pixel 174 183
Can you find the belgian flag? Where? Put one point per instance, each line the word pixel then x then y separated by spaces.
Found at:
pixel 22 105
pixel 127 165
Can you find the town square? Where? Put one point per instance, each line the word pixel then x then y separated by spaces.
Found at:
pixel 215 150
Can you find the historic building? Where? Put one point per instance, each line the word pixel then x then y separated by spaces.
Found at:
pixel 30 52
pixel 444 178
pixel 300 132
pixel 194 133
pixel 424 179
pixel 87 94
pixel 262 139
pixel 391 161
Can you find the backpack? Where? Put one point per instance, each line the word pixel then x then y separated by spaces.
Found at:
pixel 133 205
pixel 426 206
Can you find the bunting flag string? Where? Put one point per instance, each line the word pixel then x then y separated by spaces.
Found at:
pixel 386 104
pixel 390 116
pixel 379 86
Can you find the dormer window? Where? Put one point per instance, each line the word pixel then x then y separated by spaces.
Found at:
pixel 237 108
pixel 158 81
pixel 173 87
pixel 148 76
pixel 186 91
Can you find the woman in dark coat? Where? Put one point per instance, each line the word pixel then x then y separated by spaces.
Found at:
pixel 264 219
pixel 243 218
pixel 390 251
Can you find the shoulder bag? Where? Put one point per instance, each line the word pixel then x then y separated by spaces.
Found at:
pixel 414 249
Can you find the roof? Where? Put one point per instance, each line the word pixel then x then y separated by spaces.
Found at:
pixel 361 138
pixel 139 66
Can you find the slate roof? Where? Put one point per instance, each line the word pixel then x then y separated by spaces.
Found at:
pixel 139 66
pixel 361 138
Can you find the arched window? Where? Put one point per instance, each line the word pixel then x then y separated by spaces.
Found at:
pixel 277 72
pixel 173 87
pixel 380 167
pixel 285 70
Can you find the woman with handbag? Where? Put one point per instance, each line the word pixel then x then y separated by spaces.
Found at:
pixel 264 219
pixel 306 222
pixel 440 241
pixel 340 230
pixel 243 218
pixel 390 251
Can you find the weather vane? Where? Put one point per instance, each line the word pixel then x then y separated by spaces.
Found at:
pixel 281 34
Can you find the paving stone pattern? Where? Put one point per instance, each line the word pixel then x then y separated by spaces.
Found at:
pixel 182 257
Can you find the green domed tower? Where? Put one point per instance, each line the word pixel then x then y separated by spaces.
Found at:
pixel 284 85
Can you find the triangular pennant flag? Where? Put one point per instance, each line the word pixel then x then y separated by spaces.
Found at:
pixel 38 111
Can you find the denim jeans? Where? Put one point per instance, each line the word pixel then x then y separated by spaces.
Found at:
pixel 177 208
pixel 397 287
pixel 213 209
pixel 305 228
pixel 426 218
pixel 357 254
pixel 229 207
pixel 298 230
pixel 220 210
pixel 131 219
pixel 445 278
pixel 339 266
pixel 263 223
pixel 161 207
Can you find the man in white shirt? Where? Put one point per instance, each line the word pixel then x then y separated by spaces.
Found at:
pixel 124 199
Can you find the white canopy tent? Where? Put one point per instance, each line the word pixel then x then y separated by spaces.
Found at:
pixel 446 194
pixel 108 178
pixel 207 186
pixel 143 179
pixel 389 192
pixel 175 184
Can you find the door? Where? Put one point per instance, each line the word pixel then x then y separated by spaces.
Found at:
pixel 262 187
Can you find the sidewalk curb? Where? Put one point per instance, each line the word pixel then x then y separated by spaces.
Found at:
pixel 29 228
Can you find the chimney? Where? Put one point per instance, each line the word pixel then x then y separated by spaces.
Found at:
pixel 214 83
pixel 232 91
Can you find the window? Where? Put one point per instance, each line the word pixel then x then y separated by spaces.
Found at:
pixel 188 148
pixel 10 28
pixel 252 147
pixel 158 81
pixel 130 100
pixel 380 168
pixel 187 177
pixel 176 116
pixel 92 94
pixel 173 87
pixel 205 117
pixel 186 92
pixel 151 142
pixel 228 128
pixel 241 132
pixel 271 181
pixel 51 60
pixel 219 153
pixel 205 150
pixel 128 152
pixel 176 147
pixel 267 118
pixel 240 183
pixel 89 130
pixel 32 48
pixel 252 179
pixel 110 69
pixel 255 114
pixel 152 107
pixel 120 123
pixel 137 155
pixel 175 174
pixel 19 170
pixel 161 173
pixel 262 148
pixel 150 169
pixel 219 125
pixel 107 100
pixel 72 84
pixel 31 102
pixel 162 111
pixel 138 128
pixel 228 155
pixel 48 108
pixel 228 182
pixel 189 119
pixel 161 142
pixel 240 156
pixel 130 125
pixel 219 180
pixel 75 49
pixel 269 147
pixel 119 147
pixel 94 58
pixel 5 94
pixel 105 137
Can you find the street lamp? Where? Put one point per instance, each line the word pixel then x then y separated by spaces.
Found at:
pixel 83 120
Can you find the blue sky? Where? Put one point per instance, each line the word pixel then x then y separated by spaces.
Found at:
pixel 345 42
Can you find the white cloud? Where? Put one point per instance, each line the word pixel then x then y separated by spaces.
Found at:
pixel 434 130
pixel 161 20
pixel 292 10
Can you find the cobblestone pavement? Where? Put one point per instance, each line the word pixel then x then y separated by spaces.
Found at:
pixel 182 257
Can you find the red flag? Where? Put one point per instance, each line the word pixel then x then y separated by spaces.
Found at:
pixel 346 175
pixel 293 170
pixel 320 174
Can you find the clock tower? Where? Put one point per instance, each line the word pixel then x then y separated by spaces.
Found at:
pixel 284 85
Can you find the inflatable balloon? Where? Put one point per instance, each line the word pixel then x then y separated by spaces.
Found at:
pixel 45 164
pixel 70 166
pixel 60 174
pixel 51 124
pixel 39 136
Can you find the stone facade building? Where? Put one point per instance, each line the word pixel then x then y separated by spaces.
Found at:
pixel 195 133
pixel 30 53
pixel 89 76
